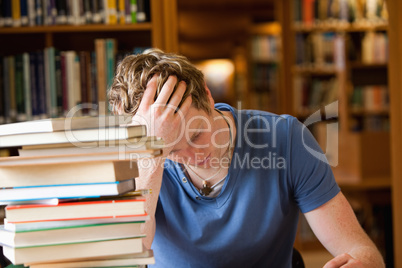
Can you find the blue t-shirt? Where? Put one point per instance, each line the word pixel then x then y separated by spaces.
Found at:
pixel 253 221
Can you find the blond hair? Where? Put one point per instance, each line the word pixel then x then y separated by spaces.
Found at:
pixel 134 72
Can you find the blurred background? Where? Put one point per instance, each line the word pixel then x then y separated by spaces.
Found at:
pixel 325 62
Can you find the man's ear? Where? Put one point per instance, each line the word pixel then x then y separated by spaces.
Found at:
pixel 210 98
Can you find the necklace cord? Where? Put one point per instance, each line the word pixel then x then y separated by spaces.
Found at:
pixel 206 189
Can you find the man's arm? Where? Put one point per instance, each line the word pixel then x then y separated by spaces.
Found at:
pixel 163 119
pixel 336 226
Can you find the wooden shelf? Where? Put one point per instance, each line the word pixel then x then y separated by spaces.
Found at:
pixel 340 27
pixel 265 61
pixel 322 70
pixel 362 65
pixel 270 28
pixel 366 112
pixel 76 28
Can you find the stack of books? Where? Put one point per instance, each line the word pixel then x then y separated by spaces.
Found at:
pixel 70 195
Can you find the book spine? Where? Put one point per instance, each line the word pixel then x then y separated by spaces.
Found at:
pixel 96 11
pixel 112 11
pixel 8 18
pixel 70 58
pixel 31 13
pixel 100 49
pixel 141 14
pixel 59 83
pixel 46 68
pixel 12 99
pixel 94 85
pixel 53 12
pixel 105 13
pixel 38 12
pixel 41 87
pixel 75 12
pixel 19 88
pixel 16 13
pixel 52 82
pixel 27 85
pixel 45 14
pixel 133 11
pixel 127 12
pixel 110 60
pixel 88 11
pixel 6 93
pixel 77 82
pixel 33 78
pixel 82 19
pixel 24 12
pixel 1 13
pixel 63 67
pixel 69 11
pixel 121 11
pixel 84 79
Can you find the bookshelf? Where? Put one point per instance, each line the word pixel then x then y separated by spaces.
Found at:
pixel 265 53
pixel 127 38
pixel 339 55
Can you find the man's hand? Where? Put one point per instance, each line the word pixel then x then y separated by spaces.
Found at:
pixel 344 261
pixel 162 116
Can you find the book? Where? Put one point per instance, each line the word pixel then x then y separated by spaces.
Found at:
pixel 123 155
pixel 16 13
pixel 74 136
pixel 61 173
pixel 77 250
pixel 100 51
pixel 99 208
pixel 63 123
pixel 78 190
pixel 132 144
pixel 32 226
pixel 128 260
pixel 70 234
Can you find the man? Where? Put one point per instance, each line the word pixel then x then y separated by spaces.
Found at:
pixel 229 187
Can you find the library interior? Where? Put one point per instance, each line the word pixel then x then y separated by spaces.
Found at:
pixel 335 65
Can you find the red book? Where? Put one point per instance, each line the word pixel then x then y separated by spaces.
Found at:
pixel 100 208
pixel 308 12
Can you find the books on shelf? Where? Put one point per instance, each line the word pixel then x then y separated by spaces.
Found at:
pixel 35 85
pixel 72 12
pixel 313 93
pixel 317 12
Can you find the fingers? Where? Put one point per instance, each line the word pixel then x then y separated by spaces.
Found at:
pixel 186 105
pixel 149 94
pixel 166 91
pixel 178 95
pixel 342 260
